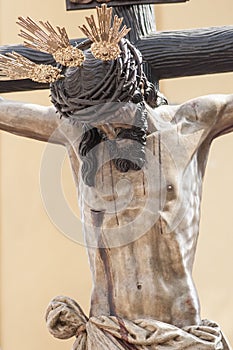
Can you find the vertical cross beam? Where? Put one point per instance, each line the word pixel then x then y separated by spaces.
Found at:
pixel 141 20
pixel 138 15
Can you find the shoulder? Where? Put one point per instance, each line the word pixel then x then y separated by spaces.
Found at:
pixel 204 109
pixel 161 117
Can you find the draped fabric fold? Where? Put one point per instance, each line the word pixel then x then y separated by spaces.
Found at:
pixel 66 319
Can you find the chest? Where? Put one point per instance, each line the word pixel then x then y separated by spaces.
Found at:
pixel 134 201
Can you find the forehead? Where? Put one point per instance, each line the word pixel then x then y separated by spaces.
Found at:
pixel 87 4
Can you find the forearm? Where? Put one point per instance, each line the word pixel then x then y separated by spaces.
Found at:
pixel 30 120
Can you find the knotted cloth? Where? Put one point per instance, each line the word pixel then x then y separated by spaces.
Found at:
pixel 66 319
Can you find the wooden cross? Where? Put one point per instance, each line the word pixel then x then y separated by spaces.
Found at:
pixel 173 54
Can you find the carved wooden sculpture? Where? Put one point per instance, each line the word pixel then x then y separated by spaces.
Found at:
pixel 138 164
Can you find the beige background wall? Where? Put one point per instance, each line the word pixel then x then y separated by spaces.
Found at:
pixel 38 262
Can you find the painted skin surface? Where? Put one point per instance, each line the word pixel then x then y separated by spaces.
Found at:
pixel 146 221
pixel 146 267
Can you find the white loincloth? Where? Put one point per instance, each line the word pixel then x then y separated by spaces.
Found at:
pixel 66 319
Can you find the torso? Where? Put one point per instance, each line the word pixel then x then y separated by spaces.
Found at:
pixel 142 226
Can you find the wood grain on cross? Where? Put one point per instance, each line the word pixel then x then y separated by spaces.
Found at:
pixel 143 293
pixel 168 54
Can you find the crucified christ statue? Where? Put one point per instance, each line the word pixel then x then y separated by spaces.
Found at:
pixel 138 165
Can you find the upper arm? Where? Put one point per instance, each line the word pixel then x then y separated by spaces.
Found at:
pixel 211 113
pixel 30 120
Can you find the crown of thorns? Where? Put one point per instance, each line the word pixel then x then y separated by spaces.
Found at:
pixel 104 38
pixel 124 81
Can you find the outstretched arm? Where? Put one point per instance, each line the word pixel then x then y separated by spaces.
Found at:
pixel 30 120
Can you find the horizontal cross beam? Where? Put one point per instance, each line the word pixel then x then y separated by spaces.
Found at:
pixel 181 53
pixel 79 4
pixel 171 54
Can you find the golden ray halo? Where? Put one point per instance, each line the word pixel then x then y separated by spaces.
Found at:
pixel 56 42
pixel 45 38
pixel 105 38
pixel 16 66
